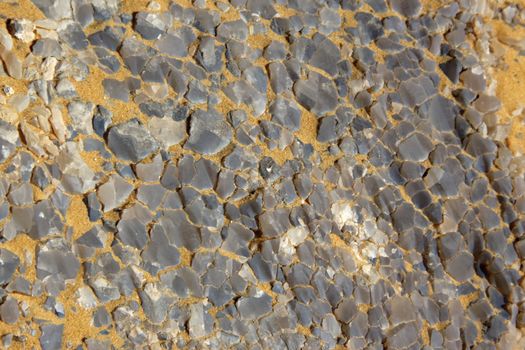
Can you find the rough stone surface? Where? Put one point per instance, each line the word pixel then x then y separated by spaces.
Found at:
pixel 262 174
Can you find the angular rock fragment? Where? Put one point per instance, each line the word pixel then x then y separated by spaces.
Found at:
pixel 135 54
pixel 45 221
pixel 21 195
pixel 244 92
pixel 286 113
pixel 93 207
pixel 82 115
pixel 317 94
pixel 486 103
pixel 159 252
pixel 254 307
pixel 101 120
pixel 416 147
pixel 179 230
pixel 73 35
pixel 206 20
pixel 151 25
pixel 101 317
pixel 184 282
pixel 236 239
pixel 441 112
pixel 8 264
pixel 77 176
pixel 9 311
pixel 326 54
pixel 131 141
pixel 86 298
pixel 200 323
pixel 51 336
pixel 209 55
pixel 233 30
pixel 154 303
pixel 132 229
pixel 166 131
pixel 209 132
pixel 116 89
pixel 410 8
pixel 176 44
pixel 9 140
pixel 55 260
pixel 109 38
pixel 452 69
pixel 22 29
pixel 47 47
pixel 97 344
pixel 12 63
pixel 460 267
pixel 54 9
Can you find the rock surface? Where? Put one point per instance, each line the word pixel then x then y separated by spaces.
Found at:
pixel 262 174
